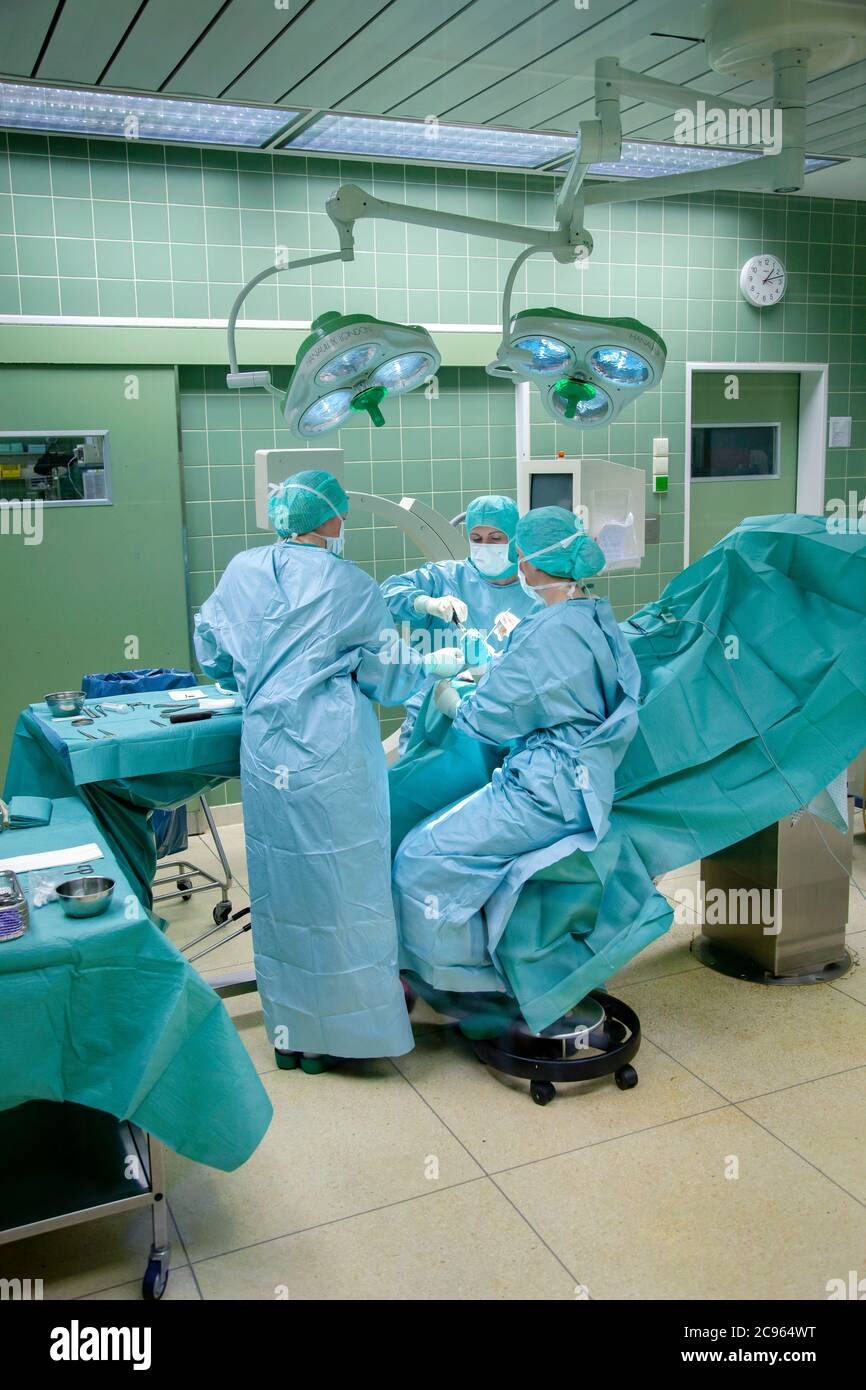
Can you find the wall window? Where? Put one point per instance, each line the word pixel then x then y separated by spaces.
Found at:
pixel 65 469
pixel 735 451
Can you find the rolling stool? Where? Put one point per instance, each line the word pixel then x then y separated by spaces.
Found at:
pixel 598 1037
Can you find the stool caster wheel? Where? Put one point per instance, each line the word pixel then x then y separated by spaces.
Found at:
pixel 184 887
pixel 154 1281
pixel 626 1077
pixel 221 913
pixel 542 1092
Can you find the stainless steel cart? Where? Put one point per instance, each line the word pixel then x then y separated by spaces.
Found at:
pixel 67 1164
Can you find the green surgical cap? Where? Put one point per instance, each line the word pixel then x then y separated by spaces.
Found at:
pixel 548 526
pixel 305 501
pixel 500 512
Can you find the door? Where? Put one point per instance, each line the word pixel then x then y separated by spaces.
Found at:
pixel 94 587
pixel 743 451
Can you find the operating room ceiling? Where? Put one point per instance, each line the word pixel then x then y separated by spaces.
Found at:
pixel 526 64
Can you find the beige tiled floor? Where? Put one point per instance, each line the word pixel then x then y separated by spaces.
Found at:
pixel 736 1168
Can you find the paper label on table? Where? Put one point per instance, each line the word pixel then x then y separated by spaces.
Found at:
pixel 52 858
pixel 184 694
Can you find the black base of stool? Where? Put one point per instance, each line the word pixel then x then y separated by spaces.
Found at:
pixel 577 1053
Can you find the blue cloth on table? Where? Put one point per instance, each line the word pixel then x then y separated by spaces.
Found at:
pixel 106 1012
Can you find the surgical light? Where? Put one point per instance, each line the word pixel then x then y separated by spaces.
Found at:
pixel 587 368
pixel 367 359
pixel 580 401
pixel 546 354
pixel 403 373
pixel 621 365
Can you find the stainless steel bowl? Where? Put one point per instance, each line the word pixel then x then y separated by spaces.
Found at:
pixel 65 702
pixel 85 897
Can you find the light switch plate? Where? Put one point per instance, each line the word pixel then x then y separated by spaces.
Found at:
pixel 840 432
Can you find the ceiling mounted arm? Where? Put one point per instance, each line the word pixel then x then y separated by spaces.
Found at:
pixel 782 172
pixel 350 203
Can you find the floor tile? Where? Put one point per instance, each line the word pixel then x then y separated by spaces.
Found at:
pixel 653 1215
pixel 495 1118
pixel 462 1244
pixel 837 1145
pixel 339 1144
pixel 744 1039
pixel 181 1288
pixel 246 1013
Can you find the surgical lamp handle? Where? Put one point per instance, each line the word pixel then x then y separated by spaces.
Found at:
pixel 237 378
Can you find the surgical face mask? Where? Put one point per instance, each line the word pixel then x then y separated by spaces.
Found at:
pixel 533 590
pixel 490 560
pixel 335 543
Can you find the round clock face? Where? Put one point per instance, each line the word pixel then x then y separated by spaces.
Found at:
pixel 763 280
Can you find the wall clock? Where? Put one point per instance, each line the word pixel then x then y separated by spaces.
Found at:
pixel 763 280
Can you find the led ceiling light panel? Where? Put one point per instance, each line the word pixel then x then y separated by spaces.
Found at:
pixel 430 140
pixel 349 364
pixel 644 160
pixel 69 112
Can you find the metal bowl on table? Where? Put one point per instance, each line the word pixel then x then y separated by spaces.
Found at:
pixel 85 897
pixel 65 702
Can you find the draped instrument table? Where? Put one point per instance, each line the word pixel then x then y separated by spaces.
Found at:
pixel 111 1045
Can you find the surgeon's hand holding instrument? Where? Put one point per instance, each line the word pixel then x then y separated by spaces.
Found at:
pixel 448 607
pixel 447 661
pixel 477 651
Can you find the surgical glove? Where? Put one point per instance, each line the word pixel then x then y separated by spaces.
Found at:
pixel 448 608
pixel 447 661
pixel 446 699
pixel 476 649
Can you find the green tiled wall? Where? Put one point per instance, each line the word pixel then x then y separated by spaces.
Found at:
pixel 118 229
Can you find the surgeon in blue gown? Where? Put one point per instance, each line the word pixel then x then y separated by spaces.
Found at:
pixel 563 698
pixel 309 642
pixel 469 592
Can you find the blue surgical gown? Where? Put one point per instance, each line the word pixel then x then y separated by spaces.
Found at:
pixel 309 640
pixel 460 579
pixel 563 696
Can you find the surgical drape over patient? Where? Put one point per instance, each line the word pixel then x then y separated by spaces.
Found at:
pixel 753 698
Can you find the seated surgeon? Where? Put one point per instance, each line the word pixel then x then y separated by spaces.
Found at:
pixel 308 639
pixel 563 698
pixel 469 592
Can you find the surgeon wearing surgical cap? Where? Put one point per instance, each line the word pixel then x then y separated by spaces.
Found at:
pixel 306 637
pixel 441 597
pixel 562 702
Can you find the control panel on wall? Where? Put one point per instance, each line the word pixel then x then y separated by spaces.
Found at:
pixel 60 468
